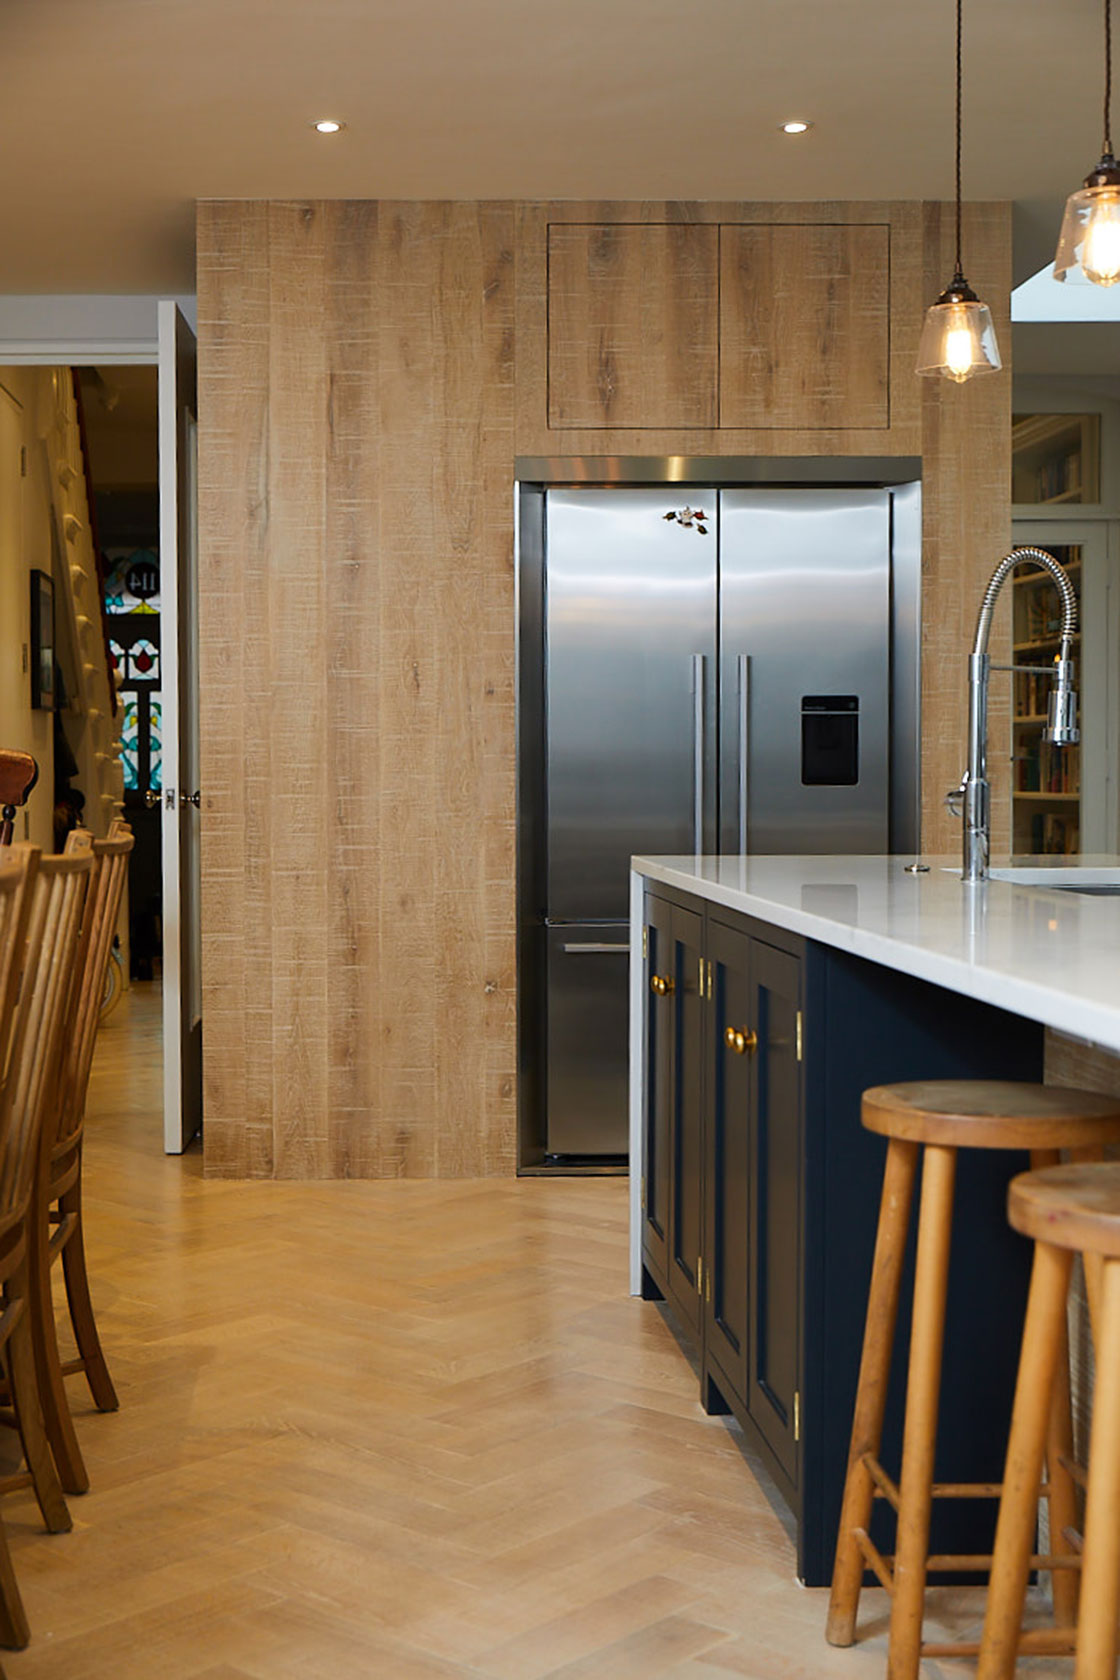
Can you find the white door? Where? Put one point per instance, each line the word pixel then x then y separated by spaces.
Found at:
pixel 178 500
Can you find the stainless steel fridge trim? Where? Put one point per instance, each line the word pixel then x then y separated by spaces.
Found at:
pixel 699 709
pixel 906 669
pixel 592 947
pixel 770 470
pixel 744 669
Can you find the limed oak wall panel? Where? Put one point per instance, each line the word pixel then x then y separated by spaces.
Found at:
pixel 357 626
pixel 804 327
pixel 633 322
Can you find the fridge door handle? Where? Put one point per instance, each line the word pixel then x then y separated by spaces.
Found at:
pixel 744 672
pixel 592 947
pixel 698 709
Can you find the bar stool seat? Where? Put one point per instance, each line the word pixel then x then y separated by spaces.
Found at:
pixel 1067 1210
pixel 929 1120
pixel 990 1114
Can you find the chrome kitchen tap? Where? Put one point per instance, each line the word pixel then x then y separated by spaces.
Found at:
pixel 1061 720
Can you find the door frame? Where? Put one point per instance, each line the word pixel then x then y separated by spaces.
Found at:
pixel 80 330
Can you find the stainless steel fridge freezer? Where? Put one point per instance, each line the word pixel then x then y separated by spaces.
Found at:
pixel 702 668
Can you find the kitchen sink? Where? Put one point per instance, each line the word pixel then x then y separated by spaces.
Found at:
pixel 1098 880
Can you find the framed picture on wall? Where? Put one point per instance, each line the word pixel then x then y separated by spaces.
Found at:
pixel 42 641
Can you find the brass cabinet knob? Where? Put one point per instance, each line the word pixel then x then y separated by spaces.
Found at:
pixel 662 984
pixel 742 1043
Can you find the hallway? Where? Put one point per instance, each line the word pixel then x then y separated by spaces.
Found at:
pixel 412 1430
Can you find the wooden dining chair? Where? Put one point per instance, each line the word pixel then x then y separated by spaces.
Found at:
pixel 44 899
pixel 56 1212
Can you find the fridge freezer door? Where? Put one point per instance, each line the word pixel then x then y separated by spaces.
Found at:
pixel 588 1042
pixel 630 675
pixel 805 670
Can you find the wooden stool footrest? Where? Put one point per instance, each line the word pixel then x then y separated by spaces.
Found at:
pixel 1039 1642
pixel 72 1367
pixel 876 1562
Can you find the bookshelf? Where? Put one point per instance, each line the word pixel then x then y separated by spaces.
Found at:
pixel 1055 459
pixel 1046 780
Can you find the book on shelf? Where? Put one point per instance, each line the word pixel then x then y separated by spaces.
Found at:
pixel 1041 767
pixel 1054 834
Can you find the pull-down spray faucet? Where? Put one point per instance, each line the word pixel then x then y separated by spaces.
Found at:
pixel 1061 721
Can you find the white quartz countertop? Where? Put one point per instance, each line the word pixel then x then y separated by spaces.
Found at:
pixel 1051 956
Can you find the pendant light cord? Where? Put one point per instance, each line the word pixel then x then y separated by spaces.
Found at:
pixel 1107 78
pixel 1108 3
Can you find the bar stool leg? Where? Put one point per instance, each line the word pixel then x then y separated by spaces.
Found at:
pixel 871 1394
pixel 931 1276
pixel 1018 1507
pixel 1062 1499
pixel 1100 1593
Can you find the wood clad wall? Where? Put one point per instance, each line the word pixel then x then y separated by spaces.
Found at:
pixel 357 688
pixel 966 528
pixel 368 374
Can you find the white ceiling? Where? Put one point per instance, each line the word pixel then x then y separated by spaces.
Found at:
pixel 116 115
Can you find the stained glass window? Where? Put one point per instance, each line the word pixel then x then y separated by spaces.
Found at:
pixel 132 582
pixel 155 741
pixel 130 741
pixel 143 661
pixel 117 655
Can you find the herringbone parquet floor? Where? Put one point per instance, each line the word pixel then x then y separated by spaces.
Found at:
pixel 408 1430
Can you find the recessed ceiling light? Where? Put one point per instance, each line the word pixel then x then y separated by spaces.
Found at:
pixel 797 127
pixel 327 125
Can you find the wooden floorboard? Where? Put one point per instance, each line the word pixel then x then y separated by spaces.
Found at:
pixel 406 1429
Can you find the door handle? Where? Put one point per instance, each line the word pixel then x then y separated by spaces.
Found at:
pixel 662 984
pixel 194 799
pixel 151 798
pixel 742 1043
pixel 744 664
pixel 698 697
pixel 590 947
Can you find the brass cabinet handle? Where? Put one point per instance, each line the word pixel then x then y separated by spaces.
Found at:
pixel 662 984
pixel 742 1043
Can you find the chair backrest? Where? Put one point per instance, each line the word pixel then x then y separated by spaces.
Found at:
pixel 29 1091
pixel 17 872
pixel 99 924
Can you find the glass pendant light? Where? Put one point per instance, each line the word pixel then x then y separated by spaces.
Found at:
pixel 958 338
pixel 1090 234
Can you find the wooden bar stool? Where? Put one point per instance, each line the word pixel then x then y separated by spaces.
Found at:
pixel 939 1117
pixel 1067 1210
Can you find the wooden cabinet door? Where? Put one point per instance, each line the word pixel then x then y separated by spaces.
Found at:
pixel 727 1160
pixel 633 323
pixel 774 1365
pixel 657 1127
pixel 804 334
pixel 686 1157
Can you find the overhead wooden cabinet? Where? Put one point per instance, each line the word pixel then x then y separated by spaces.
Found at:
pixel 633 323
pixel 804 330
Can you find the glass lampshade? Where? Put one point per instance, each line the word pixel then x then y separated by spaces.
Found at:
pixel 958 338
pixel 1090 236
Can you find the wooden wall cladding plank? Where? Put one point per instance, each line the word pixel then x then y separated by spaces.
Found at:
pixel 804 327
pixel 966 527
pixel 233 261
pixel 633 322
pixel 358 727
